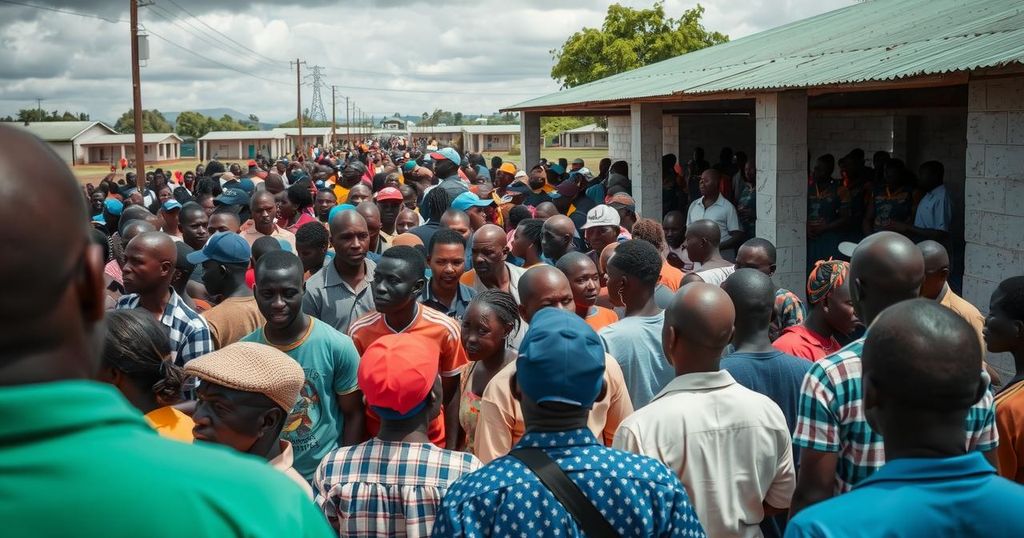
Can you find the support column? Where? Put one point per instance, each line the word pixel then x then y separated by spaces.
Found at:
pixel 645 158
pixel 529 136
pixel 781 126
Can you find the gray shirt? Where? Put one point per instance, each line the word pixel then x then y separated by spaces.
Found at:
pixel 635 342
pixel 454 186
pixel 331 300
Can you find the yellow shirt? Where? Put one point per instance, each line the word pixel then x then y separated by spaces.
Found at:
pixel 967 311
pixel 171 423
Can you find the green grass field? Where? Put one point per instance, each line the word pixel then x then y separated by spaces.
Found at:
pixel 93 173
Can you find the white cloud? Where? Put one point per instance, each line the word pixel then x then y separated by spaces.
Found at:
pixel 469 56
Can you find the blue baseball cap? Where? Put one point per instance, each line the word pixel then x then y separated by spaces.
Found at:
pixel 519 188
pixel 408 165
pixel 246 185
pixel 223 247
pixel 467 200
pixel 561 360
pixel 113 206
pixel 558 169
pixel 171 205
pixel 449 154
pixel 232 197
pixel 338 209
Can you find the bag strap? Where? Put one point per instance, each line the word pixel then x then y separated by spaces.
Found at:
pixel 590 520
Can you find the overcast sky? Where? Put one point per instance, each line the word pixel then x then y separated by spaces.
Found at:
pixel 474 56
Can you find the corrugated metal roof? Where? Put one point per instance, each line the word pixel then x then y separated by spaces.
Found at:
pixel 877 40
pixel 58 131
pixel 244 135
pixel 491 129
pixel 588 128
pixel 147 138
pixel 306 131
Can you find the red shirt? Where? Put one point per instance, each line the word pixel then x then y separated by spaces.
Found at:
pixel 802 342
pixel 430 324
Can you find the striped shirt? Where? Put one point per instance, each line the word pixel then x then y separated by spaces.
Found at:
pixel 384 488
pixel 188 332
pixel 428 323
pixel 830 418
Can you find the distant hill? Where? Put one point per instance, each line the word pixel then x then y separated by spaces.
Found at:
pixel 219 112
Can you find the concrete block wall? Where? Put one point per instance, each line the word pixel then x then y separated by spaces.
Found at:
pixel 781 122
pixel 994 191
pixel 670 135
pixel 839 132
pixel 646 128
pixel 619 138
pixel 713 132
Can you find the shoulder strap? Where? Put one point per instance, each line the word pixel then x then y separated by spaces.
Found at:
pixel 590 520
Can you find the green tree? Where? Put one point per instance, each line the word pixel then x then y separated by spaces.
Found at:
pixel 630 38
pixel 192 124
pixel 552 126
pixel 152 122
pixel 35 114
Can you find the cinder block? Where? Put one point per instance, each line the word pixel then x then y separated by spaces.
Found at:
pixel 766 209
pixel 1015 128
pixel 1004 161
pixel 1005 94
pixel 991 263
pixel 977 290
pixel 975 160
pixel 976 93
pixel 984 194
pixel 795 281
pixel 1013 198
pixel 986 127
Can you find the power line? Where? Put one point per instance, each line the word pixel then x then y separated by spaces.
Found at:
pixel 167 16
pixel 228 38
pixel 65 11
pixel 443 92
pixel 225 66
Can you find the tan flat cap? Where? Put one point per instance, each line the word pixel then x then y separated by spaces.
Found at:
pixel 252 367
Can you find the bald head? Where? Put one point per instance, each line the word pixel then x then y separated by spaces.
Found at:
pixel 273 184
pixel 543 286
pixel 149 263
pixel 935 256
pixel 923 341
pixel 606 256
pixel 705 229
pixel 345 219
pixel 490 233
pixel 556 236
pixel 753 297
pixel 134 229
pixel 53 275
pixel 545 210
pixel 698 326
pixel 886 268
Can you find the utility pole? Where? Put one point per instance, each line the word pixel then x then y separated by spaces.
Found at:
pixel 348 126
pixel 298 102
pixel 334 114
pixel 140 160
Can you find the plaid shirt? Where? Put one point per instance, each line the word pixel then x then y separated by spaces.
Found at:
pixel 830 418
pixel 789 310
pixel 382 488
pixel 187 330
pixel 638 495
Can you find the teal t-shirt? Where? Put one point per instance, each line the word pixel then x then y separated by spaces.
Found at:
pixel 330 361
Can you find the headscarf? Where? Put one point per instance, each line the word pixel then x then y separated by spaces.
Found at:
pixel 826 276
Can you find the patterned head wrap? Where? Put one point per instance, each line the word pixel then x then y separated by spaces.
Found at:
pixel 826 276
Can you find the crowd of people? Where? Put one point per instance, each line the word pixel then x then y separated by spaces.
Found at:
pixel 384 342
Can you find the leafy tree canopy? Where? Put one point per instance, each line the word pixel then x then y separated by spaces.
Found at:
pixel 628 39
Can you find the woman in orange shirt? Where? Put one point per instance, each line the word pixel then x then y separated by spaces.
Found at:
pixel 135 360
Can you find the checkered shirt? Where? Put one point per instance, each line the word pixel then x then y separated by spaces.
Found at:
pixel 830 418
pixel 382 488
pixel 636 494
pixel 187 330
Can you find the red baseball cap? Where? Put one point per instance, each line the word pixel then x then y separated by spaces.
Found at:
pixel 389 193
pixel 397 373
pixel 251 163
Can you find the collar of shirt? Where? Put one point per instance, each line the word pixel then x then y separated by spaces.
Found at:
pixel 461 295
pixel 283 460
pixel 930 469
pixel 332 278
pixel 551 440
pixel 720 201
pixel 697 381
pixel 61 407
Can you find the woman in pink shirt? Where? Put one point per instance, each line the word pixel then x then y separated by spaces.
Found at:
pixel 831 313
pixel 296 208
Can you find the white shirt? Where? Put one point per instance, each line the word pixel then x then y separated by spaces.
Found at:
pixel 722 212
pixel 729 446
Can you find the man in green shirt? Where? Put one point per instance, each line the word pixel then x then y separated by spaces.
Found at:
pixel 66 435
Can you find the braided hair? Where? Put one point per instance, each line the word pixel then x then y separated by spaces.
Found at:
pixel 137 345
pixel 504 306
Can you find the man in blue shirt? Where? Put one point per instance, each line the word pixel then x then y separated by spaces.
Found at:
pixel 559 376
pixel 922 373
pixel 757 365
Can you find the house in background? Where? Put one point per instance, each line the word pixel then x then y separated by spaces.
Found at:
pixel 66 137
pixel 110 148
pixel 243 144
pixel 587 136
pixel 311 136
pixel 497 138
